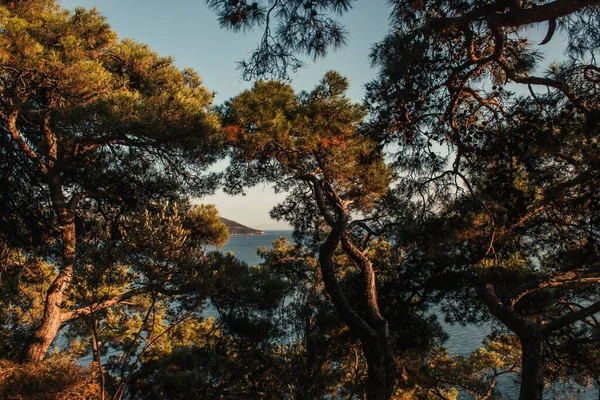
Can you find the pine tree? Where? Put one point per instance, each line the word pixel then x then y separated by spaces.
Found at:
pixel 95 125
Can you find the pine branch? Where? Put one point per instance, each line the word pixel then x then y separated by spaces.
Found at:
pixel 92 308
pixel 570 318
pixel 18 138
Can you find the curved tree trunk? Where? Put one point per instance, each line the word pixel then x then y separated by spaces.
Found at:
pixel 373 332
pixel 378 350
pixel 38 345
pixel 532 371
pixel 375 339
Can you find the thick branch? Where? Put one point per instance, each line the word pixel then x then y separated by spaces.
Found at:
pixel 494 14
pixel 534 80
pixel 368 273
pixel 87 310
pixel 320 198
pixel 14 133
pixel 546 12
pixel 343 307
pixel 50 142
pixel 571 277
pixel 511 319
pixel 570 318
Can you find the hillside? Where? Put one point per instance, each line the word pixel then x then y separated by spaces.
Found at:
pixel 236 228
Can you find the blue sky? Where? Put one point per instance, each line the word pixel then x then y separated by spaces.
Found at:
pixel 188 31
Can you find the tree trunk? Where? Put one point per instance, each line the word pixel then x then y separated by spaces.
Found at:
pixel 373 333
pixel 373 330
pixel 38 345
pixel 375 339
pixel 532 371
pixel 378 351
pixel 381 368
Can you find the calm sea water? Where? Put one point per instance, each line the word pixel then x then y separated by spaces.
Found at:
pixel 462 339
pixel 244 246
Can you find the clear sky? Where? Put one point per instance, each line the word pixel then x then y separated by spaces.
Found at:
pixel 188 31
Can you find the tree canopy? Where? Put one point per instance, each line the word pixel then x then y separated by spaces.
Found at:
pixel 95 127
pixel 464 187
pixel 309 144
pixel 490 146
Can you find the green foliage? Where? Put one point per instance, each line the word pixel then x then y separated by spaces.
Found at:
pixel 498 196
pixel 24 279
pixel 206 227
pixel 123 124
pixel 309 355
pixel 275 135
pixel 247 298
pixel 518 231
pixel 303 28
pixel 98 129
pixel 493 211
pixel 476 374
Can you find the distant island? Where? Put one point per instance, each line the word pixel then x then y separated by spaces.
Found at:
pixel 235 228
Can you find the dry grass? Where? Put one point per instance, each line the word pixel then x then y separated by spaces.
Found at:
pixel 54 379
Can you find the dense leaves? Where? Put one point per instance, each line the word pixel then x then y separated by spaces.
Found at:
pixel 496 149
pixel 486 211
pixel 93 128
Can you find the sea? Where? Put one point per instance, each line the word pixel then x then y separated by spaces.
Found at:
pixel 463 339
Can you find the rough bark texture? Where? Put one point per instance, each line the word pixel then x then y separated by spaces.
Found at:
pixel 378 351
pixel 532 335
pixel 532 372
pixel 374 336
pixel 382 376
pixel 38 345
pixel 496 14
pixel 372 331
pixel 532 343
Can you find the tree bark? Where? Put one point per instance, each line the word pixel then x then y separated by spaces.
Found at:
pixel 378 350
pixel 372 331
pixel 381 369
pixel 38 345
pixel 374 335
pixel 532 371
pixel 532 342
